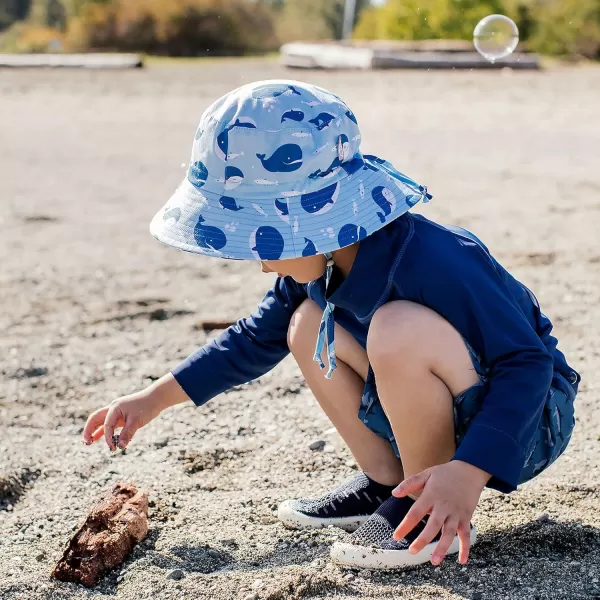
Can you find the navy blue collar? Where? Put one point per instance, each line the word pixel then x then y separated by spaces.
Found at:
pixel 368 284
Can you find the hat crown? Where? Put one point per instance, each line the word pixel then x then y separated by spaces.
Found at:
pixel 273 138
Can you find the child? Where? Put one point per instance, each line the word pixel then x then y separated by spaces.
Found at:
pixel 443 377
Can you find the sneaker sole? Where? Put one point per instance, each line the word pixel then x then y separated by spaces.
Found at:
pixel 351 555
pixel 294 519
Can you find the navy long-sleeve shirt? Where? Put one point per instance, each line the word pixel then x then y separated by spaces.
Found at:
pixel 446 269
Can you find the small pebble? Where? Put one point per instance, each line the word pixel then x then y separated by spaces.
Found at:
pixel 543 518
pixel 213 553
pixel 40 557
pixel 251 597
pixel 176 575
pixel 477 596
pixel 317 446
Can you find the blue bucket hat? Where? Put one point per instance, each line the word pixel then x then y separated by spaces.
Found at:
pixel 276 172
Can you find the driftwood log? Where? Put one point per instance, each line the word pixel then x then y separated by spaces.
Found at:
pixel 110 532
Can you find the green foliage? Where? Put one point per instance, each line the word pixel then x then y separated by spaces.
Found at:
pixel 314 19
pixel 424 19
pixel 560 27
pixel 195 27
pixel 566 27
pixel 175 28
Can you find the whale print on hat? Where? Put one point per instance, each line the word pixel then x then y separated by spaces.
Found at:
pixel 322 120
pixel 198 174
pixel 233 177
pixel 229 203
pixel 320 202
pixel 267 243
pixel 350 234
pixel 277 172
pixel 293 115
pixel 209 237
pixel 385 199
pixel 309 249
pixel 282 209
pixel 275 90
pixel 287 158
pixel 222 145
pixel 351 116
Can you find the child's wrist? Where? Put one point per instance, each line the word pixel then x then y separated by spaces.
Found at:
pixel 166 392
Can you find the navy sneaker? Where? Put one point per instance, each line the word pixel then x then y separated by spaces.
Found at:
pixel 372 545
pixel 348 506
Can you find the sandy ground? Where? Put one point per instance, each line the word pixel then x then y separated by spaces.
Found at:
pixel 86 159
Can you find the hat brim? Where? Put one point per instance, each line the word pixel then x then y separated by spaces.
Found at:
pixel 288 226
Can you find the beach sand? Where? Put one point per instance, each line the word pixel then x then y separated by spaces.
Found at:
pixel 91 308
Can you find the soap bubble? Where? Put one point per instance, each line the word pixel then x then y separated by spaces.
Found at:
pixel 495 37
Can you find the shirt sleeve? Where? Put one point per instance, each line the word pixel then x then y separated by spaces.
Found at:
pixel 244 351
pixel 464 287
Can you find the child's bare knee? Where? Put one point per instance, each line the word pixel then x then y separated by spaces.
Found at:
pixel 397 331
pixel 303 325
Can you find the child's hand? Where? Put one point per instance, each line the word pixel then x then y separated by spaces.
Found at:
pixel 450 495
pixel 132 412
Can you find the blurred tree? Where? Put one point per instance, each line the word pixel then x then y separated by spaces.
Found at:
pixel 314 19
pixel 561 27
pixel 274 4
pixel 424 19
pixel 56 15
pixel 566 27
pixel 13 10
pixel 174 27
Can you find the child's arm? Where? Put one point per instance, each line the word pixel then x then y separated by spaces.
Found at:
pixel 246 350
pixel 243 352
pixel 132 412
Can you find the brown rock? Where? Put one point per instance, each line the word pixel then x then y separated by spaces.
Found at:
pixel 111 530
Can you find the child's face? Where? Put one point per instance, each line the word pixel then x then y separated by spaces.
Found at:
pixel 301 270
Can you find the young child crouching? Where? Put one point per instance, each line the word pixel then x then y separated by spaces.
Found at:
pixel 442 375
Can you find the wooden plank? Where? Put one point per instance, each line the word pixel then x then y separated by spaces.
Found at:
pixel 450 60
pixel 79 61
pixel 326 56
pixel 442 55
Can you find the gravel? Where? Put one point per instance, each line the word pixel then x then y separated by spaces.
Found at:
pixel 91 308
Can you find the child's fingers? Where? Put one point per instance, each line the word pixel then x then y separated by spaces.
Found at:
pixel 464 536
pixel 98 433
pixel 412 485
pixel 434 524
pixel 417 512
pixel 448 535
pixel 128 431
pixel 95 420
pixel 113 418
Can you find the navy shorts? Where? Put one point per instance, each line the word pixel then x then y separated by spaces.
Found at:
pixel 550 441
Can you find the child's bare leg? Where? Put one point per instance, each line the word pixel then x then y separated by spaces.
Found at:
pixel 421 363
pixel 340 396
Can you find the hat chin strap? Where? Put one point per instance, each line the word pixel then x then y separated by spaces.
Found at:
pixel 327 326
